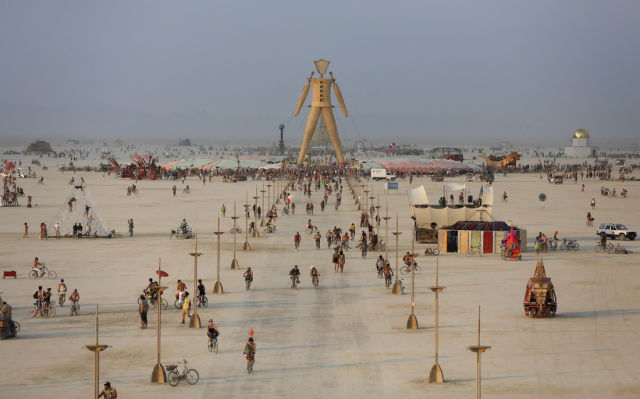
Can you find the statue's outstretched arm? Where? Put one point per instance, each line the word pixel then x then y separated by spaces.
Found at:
pixel 303 96
pixel 339 96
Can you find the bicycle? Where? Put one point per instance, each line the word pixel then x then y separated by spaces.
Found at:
pixel 387 281
pixel 191 376
pixel 406 269
pixel 473 250
pixel 75 309
pixel 251 360
pixel 40 272
pixel 153 303
pixel 568 245
pixel 270 230
pixel 62 296
pixel 294 281
pixel 247 282
pixel 432 251
pixel 213 344
pixel 315 280
pixel 603 248
pixel 46 311
pixel 202 301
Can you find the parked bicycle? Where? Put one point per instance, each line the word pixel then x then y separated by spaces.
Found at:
pixel 474 250
pixel 569 245
pixel 191 376
pixel 603 248
pixel 432 251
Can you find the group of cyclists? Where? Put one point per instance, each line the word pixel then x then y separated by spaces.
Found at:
pixel 42 304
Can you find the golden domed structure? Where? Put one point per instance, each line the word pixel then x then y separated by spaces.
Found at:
pixel 581 134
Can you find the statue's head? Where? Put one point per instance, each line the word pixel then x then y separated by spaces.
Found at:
pixel 322 65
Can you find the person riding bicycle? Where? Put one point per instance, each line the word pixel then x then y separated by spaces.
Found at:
pixel 74 298
pixel 296 240
pixel 150 289
pixel 212 331
pixel 47 298
pixel 314 273
pixel 250 350
pixel 39 297
pixel 201 292
pixel 62 290
pixel 388 273
pixel 248 274
pixel 294 275
pixel 37 265
pixel 252 227
pixel 590 219
pixel 310 225
pixel 407 259
pixel 380 265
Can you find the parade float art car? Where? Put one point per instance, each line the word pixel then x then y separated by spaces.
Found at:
pixel 540 297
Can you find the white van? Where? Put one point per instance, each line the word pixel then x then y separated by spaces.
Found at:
pixel 381 174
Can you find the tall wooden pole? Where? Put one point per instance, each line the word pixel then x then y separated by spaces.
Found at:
pixel 436 375
pixel 159 375
pixel 234 262
pixel 194 322
pixel 396 285
pixel 412 322
pixel 478 350
pixel 386 233
pixel 246 246
pixel 217 289
pixel 255 214
pixel 263 211
pixel 96 349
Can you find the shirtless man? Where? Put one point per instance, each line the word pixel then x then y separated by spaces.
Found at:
pixel 62 292
pixel 75 298
pixel 36 265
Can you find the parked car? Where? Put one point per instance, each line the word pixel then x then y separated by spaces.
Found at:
pixel 616 230
pixel 556 179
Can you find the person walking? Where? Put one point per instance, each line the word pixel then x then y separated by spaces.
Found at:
pixel 593 203
pixel 56 228
pixel 143 308
pixel 223 209
pixel 130 222
pixel 317 237
pixel 26 231
pixel 341 261
pixel 186 307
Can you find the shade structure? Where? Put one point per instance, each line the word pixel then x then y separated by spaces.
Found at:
pixel 406 165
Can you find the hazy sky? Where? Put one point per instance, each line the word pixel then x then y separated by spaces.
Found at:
pixel 433 72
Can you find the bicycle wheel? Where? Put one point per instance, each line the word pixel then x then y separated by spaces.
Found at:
pixel 611 250
pixel 173 378
pixel 177 304
pixel 205 301
pixel 435 251
pixel 576 247
pixel 16 325
pixel 192 377
pixel 597 248
pixel 563 247
pixel 51 312
pixel 34 309
pixel 165 304
pixel 51 274
pixel 404 270
pixel 33 274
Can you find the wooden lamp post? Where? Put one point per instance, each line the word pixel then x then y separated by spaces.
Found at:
pixel 397 289
pixel 234 263
pixel 217 288
pixel 194 322
pixel 436 374
pixel 159 375
pixel 96 349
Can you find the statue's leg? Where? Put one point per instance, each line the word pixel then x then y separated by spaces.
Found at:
pixel 332 129
pixel 312 121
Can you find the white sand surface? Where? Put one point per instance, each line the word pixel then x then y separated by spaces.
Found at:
pixel 345 339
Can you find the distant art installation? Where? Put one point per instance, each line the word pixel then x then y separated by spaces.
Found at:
pixel 321 104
